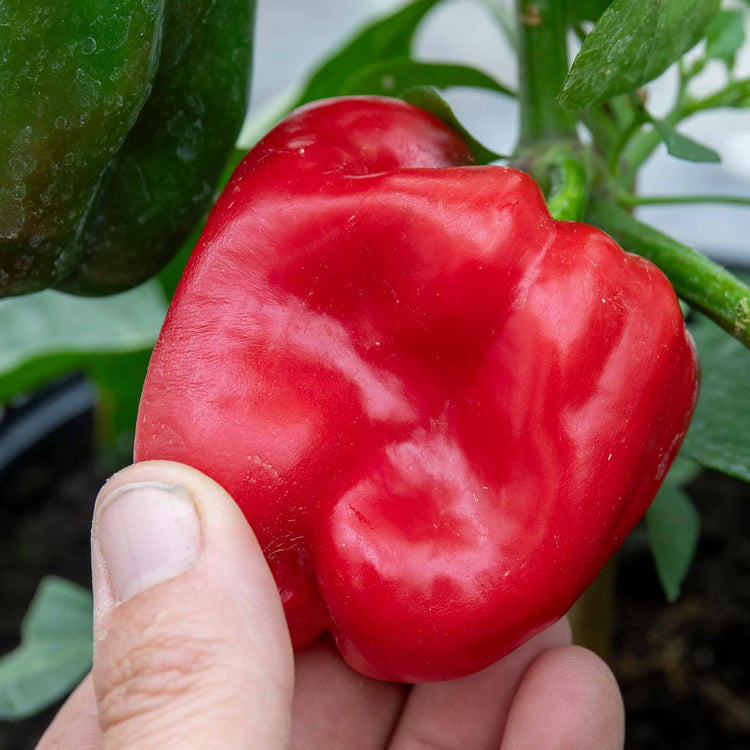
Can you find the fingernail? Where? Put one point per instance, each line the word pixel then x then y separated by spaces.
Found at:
pixel 146 533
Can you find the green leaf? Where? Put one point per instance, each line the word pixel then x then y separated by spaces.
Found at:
pixel 587 10
pixel 633 42
pixel 119 381
pixel 59 609
pixel 719 435
pixel 673 527
pixel 682 147
pixel 390 77
pixel 390 36
pixel 55 651
pixel 725 35
pixel 429 99
pixel 50 333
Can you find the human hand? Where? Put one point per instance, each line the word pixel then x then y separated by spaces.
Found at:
pixel 192 651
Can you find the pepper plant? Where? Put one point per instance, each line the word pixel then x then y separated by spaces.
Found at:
pixel 586 128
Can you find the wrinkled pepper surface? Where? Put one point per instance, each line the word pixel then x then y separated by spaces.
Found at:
pixel 116 119
pixel 440 410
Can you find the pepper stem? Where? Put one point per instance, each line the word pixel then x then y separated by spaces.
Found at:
pixel 543 59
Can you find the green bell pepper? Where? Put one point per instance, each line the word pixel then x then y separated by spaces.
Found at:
pixel 116 120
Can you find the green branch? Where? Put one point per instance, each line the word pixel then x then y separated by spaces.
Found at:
pixel 735 94
pixel 627 199
pixel 602 127
pixel 543 60
pixel 613 161
pixel 607 121
pixel 705 285
pixel 644 144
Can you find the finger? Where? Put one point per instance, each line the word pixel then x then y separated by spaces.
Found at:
pixel 76 726
pixel 567 698
pixel 335 707
pixel 471 711
pixel 191 648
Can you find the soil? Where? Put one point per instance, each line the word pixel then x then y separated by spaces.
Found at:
pixel 684 669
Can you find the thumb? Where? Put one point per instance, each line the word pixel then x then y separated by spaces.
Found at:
pixel 191 649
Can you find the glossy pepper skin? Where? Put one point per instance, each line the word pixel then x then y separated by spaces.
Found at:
pixel 116 120
pixel 440 410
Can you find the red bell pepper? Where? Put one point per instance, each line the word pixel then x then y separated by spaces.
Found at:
pixel 440 410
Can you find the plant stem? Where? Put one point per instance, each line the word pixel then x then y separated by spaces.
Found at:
pixel 735 94
pixel 643 145
pixel 705 285
pixel 621 108
pixel 602 127
pixel 543 60
pixel 613 161
pixel 606 122
pixel 627 199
